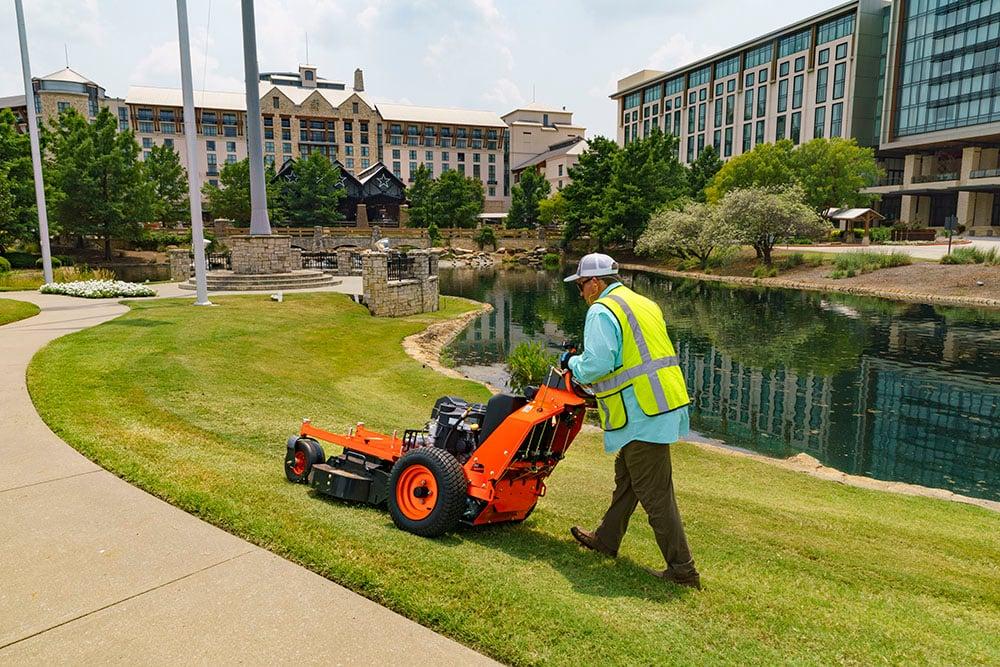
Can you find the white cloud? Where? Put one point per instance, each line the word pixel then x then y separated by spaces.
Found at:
pixel 73 23
pixel 505 95
pixel 161 67
pixel 436 51
pixel 508 58
pixel 677 51
pixel 487 9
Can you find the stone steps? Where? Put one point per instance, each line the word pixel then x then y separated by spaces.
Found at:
pixel 229 281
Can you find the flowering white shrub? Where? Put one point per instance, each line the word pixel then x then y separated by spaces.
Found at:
pixel 97 289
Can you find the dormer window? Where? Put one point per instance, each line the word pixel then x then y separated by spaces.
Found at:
pixel 309 75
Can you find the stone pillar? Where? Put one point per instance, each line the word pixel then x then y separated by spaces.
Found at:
pixel 317 238
pixel 180 264
pixel 966 207
pixel 911 168
pixel 220 228
pixel 262 255
pixel 362 216
pixel 295 259
pixel 344 261
pixel 375 279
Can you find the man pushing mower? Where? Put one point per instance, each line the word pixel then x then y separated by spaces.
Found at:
pixel 630 363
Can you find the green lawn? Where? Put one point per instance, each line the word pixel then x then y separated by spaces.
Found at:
pixel 12 311
pixel 195 404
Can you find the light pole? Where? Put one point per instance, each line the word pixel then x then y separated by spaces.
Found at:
pixel 190 140
pixel 36 154
pixel 259 224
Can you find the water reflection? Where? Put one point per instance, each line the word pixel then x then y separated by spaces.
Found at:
pixel 893 391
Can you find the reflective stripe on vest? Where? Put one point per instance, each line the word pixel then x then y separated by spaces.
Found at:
pixel 647 359
pixel 625 376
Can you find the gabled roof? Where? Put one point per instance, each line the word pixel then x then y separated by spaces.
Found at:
pixel 171 97
pixel 413 114
pixel 67 74
pixel 377 169
pixel 574 146
pixel 298 94
pixel 850 213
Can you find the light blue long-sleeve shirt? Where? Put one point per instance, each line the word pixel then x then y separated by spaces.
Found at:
pixel 602 353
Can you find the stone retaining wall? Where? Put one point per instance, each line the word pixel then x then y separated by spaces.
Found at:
pixel 398 298
pixel 261 255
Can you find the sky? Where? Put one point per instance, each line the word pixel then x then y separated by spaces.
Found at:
pixel 476 54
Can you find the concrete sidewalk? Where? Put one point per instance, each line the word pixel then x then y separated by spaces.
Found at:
pixel 95 570
pixel 933 252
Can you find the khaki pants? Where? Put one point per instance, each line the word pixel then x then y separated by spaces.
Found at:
pixel 643 475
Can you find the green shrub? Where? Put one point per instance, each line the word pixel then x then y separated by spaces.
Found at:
pixel 689 264
pixel 66 260
pixel 56 263
pixel 434 234
pixel 722 257
pixel 880 235
pixel 22 260
pixel 791 261
pixel 4 265
pixel 529 364
pixel 485 236
pixel 850 264
pixel 972 256
pixel 764 271
pixel 551 261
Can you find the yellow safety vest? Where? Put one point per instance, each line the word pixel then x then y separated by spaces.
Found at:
pixel 649 362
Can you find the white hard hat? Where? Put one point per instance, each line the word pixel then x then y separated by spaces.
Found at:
pixel 594 265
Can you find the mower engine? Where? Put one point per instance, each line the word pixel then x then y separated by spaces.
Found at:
pixel 455 425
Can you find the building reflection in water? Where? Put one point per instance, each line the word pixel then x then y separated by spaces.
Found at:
pixel 893 391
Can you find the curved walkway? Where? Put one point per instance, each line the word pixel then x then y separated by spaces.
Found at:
pixel 95 570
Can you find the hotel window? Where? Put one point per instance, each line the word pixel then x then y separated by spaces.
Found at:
pixel 747 136
pixel 348 137
pixel 761 101
pixel 212 161
pixel 836 119
pixel 703 94
pixel 229 131
pixel 168 142
pixel 38 106
pixel 395 153
pixel 702 110
pixel 349 163
pixel 822 74
pixel 364 163
pixel 718 112
pixel 354 108
pixel 309 75
pixel 730 107
pixel 800 63
pixel 719 89
pixel 759 56
pixel 690 120
pixel 759 134
pixel 748 80
pixel 147 142
pixel 701 143
pixel 413 169
pixel 145 155
pixel 147 126
pixel 269 133
pixel 397 169
pixel 229 119
pixel 349 150
pixel 782 95
pixel 842 50
pixel 794 43
pixel 796 131
pixel 287 122
pixel 62 106
pixel 493 191
pixel 646 111
pixel 286 135
pixel 783 69
pixel 230 146
pixel 748 104
pixel 364 151
pixel 147 114
pixel 729 142
pixel 286 148
pixel 92 107
pixel 560 170
pixel 167 128
pixel 690 149
pixel 230 159
pixel 632 100
pixel 839 72
pixel 476 157
pixel 428 156
pixel 779 128
pixel 762 75
pixel 656 123
pixel 727 67
pixel 823 57
pixel 476 172
pixel 717 141
pixel 461 169
pixel 268 146
pixel 819 122
pixel 491 158
pixel 677 123
pixel 269 160
pixel 413 155
pixel 692 97
pixel 700 77
pixel 275 102
pixel 731 85
pixel 666 124
pixel 210 146
pixel 491 173
pixel 835 29
pixel 797 92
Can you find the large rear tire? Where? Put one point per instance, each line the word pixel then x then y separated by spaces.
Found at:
pixel 427 491
pixel 300 459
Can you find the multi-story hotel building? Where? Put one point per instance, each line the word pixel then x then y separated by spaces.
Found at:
pixel 543 138
pixel 917 80
pixel 56 92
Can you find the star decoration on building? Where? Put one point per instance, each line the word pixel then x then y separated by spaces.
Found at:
pixel 342 183
pixel 383 182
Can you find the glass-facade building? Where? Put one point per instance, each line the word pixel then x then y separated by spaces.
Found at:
pixel 916 80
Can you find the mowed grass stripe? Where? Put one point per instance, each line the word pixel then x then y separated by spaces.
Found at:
pixel 195 404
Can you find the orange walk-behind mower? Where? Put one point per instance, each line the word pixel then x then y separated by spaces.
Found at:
pixel 473 464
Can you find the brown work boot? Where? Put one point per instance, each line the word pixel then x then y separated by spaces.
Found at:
pixel 589 540
pixel 692 580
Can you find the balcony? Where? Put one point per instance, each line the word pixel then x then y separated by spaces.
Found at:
pixel 212 171
pixel 893 178
pixel 985 173
pixel 934 178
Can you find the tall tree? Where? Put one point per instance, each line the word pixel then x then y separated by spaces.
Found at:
pixel 169 182
pixel 833 172
pixel 313 195
pixel 765 217
pixel 552 209
pixel 690 232
pixel 701 172
pixel 645 176
pixel 457 201
pixel 18 215
pixel 584 194
pixel 524 198
pixel 103 189
pixel 766 166
pixel 231 198
pixel 420 194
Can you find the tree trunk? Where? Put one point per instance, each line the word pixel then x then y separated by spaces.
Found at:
pixel 760 255
pixel 766 253
pixel 107 247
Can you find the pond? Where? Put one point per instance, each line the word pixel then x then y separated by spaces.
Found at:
pixel 894 391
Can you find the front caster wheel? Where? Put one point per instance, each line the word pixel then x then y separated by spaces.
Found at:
pixel 300 459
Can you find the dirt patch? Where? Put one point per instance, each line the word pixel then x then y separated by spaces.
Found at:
pixel 426 346
pixel 921 282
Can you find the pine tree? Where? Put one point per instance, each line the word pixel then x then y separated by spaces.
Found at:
pixel 524 197
pixel 420 195
pixel 18 215
pixel 169 182
pixel 313 195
